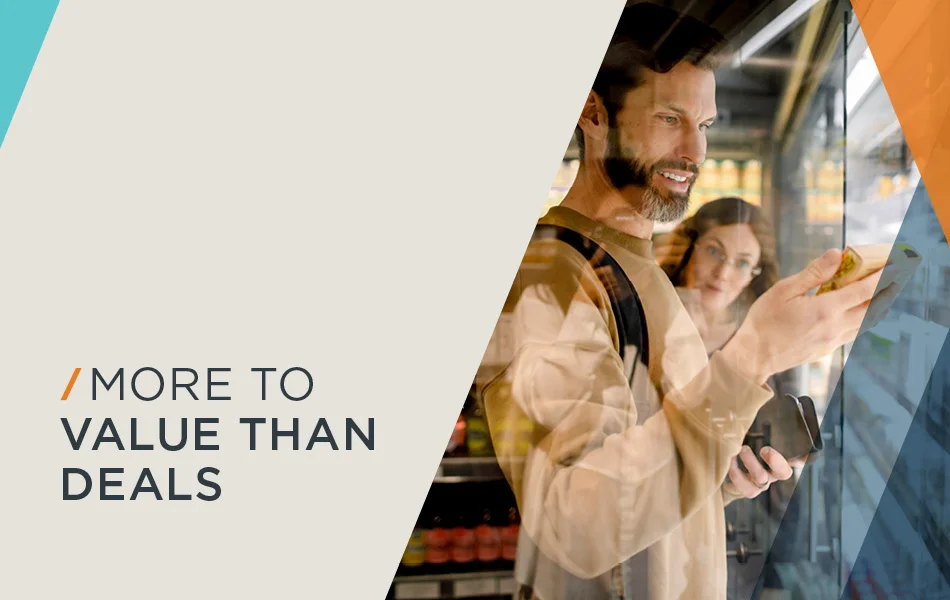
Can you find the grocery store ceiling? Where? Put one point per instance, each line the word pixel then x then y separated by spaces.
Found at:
pixel 750 94
pixel 764 38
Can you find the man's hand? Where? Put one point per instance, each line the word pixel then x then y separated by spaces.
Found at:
pixel 786 326
pixel 758 479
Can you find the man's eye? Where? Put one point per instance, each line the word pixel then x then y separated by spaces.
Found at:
pixel 668 119
pixel 704 127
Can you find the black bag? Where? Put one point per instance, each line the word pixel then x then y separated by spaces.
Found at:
pixel 624 301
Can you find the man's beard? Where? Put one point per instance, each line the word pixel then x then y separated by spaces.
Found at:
pixel 661 206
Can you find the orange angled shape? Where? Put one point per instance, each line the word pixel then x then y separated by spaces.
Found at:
pixel 910 41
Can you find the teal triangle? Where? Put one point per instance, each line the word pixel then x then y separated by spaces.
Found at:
pixel 23 27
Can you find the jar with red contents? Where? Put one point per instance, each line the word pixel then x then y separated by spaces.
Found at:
pixel 509 535
pixel 438 535
pixel 463 534
pixel 488 538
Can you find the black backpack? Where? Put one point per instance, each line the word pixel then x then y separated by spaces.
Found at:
pixel 631 330
pixel 624 301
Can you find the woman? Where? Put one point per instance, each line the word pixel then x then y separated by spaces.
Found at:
pixel 720 260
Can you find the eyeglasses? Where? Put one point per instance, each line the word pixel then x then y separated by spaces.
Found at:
pixel 741 265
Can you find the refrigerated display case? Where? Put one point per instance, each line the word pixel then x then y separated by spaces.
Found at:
pixel 895 455
pixel 864 522
pixel 804 169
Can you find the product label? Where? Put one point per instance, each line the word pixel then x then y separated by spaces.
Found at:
pixel 438 546
pixel 418 591
pixel 463 545
pixel 475 588
pixel 415 554
pixel 477 437
pixel 488 543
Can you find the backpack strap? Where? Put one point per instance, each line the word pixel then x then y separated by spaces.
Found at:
pixel 624 300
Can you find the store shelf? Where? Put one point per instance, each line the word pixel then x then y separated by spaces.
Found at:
pixel 873 412
pixel 872 385
pixel 909 502
pixel 881 386
pixel 910 505
pixel 485 584
pixel 465 470
pixel 866 496
pixel 939 434
pixel 938 544
pixel 903 521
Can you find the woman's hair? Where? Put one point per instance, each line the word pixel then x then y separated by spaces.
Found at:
pixel 720 212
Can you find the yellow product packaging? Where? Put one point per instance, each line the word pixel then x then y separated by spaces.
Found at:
pixel 857 262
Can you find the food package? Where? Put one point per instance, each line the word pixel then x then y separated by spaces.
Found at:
pixel 857 262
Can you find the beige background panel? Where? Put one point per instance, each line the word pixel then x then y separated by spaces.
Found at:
pixel 346 187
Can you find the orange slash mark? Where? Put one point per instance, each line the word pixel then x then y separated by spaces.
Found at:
pixel 72 381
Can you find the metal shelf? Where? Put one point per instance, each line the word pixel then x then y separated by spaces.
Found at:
pixel 903 507
pixel 917 516
pixel 883 384
pixel 936 432
pixel 939 434
pixel 465 470
pixel 453 585
pixel 937 544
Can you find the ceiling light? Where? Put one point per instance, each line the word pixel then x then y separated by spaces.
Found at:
pixel 861 79
pixel 775 28
pixel 882 136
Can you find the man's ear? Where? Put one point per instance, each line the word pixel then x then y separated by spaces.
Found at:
pixel 593 119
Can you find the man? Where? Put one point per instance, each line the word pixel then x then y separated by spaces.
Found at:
pixel 623 487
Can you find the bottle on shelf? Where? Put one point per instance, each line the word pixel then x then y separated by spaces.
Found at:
pixel 415 555
pixel 752 182
pixel 729 183
pixel 478 440
pixel 456 446
pixel 509 535
pixel 438 536
pixel 488 537
pixel 463 534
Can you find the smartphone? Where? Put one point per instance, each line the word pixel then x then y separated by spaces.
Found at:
pixel 794 432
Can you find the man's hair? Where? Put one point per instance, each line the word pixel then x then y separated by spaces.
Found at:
pixel 652 37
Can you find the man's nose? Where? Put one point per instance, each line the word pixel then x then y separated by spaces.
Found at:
pixel 693 147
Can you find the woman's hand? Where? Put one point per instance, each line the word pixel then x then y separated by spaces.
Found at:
pixel 758 479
